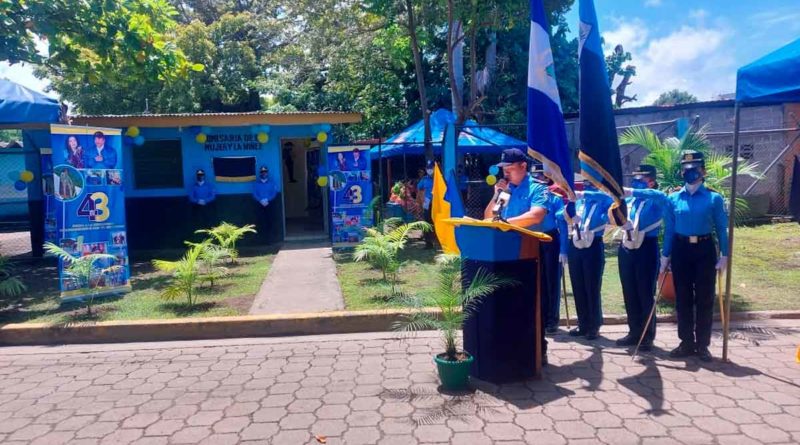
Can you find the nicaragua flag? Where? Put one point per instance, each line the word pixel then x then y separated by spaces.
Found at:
pixel 446 204
pixel 599 152
pixel 547 136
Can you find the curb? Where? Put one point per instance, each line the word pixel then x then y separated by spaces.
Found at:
pixel 279 325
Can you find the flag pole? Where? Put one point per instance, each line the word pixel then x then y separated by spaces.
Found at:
pixel 731 221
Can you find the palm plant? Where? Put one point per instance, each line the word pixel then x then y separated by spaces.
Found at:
pixel 82 270
pixel 186 275
pixel 382 245
pixel 211 255
pixel 454 302
pixel 226 235
pixel 10 286
pixel 665 156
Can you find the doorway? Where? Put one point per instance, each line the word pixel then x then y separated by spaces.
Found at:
pixel 303 203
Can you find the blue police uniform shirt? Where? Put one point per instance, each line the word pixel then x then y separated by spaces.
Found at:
pixel 694 215
pixel 264 190
pixel 204 191
pixel 525 196
pixel 109 158
pixel 426 184
pixel 601 203
pixel 554 205
pixel 652 206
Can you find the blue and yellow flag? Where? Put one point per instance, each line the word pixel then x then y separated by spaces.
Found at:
pixel 446 204
pixel 599 148
pixel 547 136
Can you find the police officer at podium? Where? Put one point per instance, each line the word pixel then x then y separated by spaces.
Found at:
pixel 697 213
pixel 638 254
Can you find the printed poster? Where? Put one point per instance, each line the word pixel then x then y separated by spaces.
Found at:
pixel 350 185
pixel 85 206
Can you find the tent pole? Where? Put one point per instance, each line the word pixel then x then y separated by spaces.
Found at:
pixel 383 197
pixel 731 222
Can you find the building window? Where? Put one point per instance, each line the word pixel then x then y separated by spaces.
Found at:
pixel 158 164
pixel 745 151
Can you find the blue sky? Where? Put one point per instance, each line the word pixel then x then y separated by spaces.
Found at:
pixel 694 45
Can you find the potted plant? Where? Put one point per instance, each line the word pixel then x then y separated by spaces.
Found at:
pixel 455 304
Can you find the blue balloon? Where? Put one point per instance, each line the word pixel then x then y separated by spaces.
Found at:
pixel 494 170
pixel 127 140
pixel 322 171
pixel 205 130
pixel 139 140
pixel 265 128
pixel 326 128
pixel 20 185
pixel 195 130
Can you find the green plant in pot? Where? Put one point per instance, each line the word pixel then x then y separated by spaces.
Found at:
pixel 455 304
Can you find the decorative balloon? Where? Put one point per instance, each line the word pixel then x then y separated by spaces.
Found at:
pixel 205 130
pixel 322 181
pixel 19 185
pixel 491 179
pixel 194 131
pixel 132 132
pixel 322 170
pixel 127 140
pixel 494 170
pixel 26 176
pixel 326 127
pixel 201 138
pixel 262 137
pixel 322 136
pixel 139 140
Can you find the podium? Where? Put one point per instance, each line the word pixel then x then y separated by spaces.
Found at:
pixel 505 334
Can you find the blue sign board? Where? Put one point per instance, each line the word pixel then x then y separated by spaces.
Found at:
pixel 350 185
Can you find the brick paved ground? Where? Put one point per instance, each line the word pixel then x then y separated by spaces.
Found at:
pixel 364 389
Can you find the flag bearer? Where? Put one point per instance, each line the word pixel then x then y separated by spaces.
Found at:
pixel 638 254
pixel 689 248
pixel 584 248
pixel 549 253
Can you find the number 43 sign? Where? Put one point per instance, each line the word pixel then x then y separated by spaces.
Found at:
pixel 95 207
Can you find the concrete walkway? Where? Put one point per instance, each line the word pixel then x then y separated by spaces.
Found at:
pixel 302 279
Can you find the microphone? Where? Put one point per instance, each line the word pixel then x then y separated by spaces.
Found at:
pixel 501 201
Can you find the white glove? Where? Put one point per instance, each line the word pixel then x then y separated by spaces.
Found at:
pixel 722 263
pixel 579 194
pixel 664 264
pixel 202 202
pixel 562 258
pixel 576 220
pixel 264 202
pixel 628 191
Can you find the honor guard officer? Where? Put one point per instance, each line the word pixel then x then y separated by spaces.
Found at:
pixel 638 255
pixel 425 199
pixel 583 243
pixel 689 248
pixel 264 189
pixel 526 203
pixel 549 252
pixel 202 193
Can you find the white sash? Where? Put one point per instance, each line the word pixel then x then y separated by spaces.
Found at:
pixel 638 235
pixel 587 235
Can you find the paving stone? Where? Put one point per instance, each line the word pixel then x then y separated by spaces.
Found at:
pixel 163 428
pixel 361 435
pixel 123 436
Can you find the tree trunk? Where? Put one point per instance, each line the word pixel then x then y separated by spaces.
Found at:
pixel 423 96
pixel 473 67
pixel 454 40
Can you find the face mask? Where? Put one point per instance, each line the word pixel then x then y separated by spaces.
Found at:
pixel 639 184
pixel 429 172
pixel 201 179
pixel 691 175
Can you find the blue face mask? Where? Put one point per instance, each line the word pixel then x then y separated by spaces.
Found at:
pixel 639 184
pixel 691 175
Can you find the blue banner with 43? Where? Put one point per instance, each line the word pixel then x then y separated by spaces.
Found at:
pixel 85 207
pixel 350 185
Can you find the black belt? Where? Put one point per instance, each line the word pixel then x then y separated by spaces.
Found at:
pixel 692 239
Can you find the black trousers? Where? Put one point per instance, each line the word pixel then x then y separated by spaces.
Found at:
pixel 638 272
pixel 586 275
pixel 694 275
pixel 430 236
pixel 551 280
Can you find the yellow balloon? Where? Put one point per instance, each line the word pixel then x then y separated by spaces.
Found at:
pixel 201 138
pixel 132 132
pixel 26 176
pixel 491 179
pixel 322 181
pixel 263 137
pixel 322 136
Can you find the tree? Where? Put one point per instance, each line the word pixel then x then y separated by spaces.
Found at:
pixel 614 65
pixel 675 97
pixel 97 49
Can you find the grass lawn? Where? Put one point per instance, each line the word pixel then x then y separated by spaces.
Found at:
pixel 766 274
pixel 232 295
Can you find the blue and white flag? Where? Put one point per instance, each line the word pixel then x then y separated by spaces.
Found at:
pixel 547 136
pixel 599 148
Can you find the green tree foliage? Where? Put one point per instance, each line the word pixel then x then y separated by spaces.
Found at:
pixel 186 275
pixel 675 97
pixel 226 235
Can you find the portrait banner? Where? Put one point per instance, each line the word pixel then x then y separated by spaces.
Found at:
pixel 350 186
pixel 85 207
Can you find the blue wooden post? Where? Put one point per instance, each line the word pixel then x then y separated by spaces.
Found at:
pixel 682 125
pixel 449 159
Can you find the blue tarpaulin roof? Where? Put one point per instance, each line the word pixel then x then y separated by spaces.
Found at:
pixel 20 105
pixel 772 78
pixel 473 138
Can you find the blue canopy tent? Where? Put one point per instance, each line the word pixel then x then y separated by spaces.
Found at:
pixel 472 138
pixel 774 78
pixel 20 106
